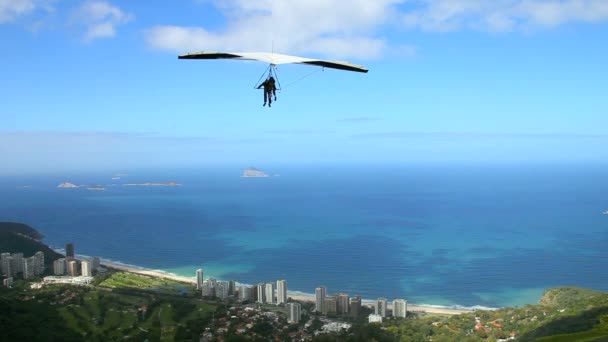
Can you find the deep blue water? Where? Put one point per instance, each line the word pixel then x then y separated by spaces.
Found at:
pixel 491 235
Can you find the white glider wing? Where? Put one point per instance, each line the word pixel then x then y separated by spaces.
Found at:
pixel 274 59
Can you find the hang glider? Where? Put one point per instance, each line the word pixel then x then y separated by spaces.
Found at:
pixel 275 59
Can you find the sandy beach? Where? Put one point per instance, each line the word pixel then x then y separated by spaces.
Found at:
pixel 410 307
pixel 294 295
pixel 151 273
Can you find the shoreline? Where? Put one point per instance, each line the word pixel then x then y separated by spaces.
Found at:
pixel 296 295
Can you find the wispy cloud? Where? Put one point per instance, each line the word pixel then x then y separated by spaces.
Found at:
pixel 100 19
pixel 11 9
pixel 358 119
pixel 346 28
pixel 475 135
pixel 502 15
pixel 339 28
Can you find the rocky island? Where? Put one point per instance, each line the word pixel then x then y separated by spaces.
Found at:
pixel 252 172
pixel 67 185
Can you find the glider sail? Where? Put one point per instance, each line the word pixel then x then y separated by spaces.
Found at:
pixel 275 59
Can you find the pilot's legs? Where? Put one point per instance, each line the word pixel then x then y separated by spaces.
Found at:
pixel 268 97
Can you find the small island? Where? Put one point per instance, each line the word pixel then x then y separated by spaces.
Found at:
pixel 252 172
pixel 67 185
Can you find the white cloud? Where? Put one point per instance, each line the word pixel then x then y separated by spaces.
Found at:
pixel 339 28
pixel 351 28
pixel 100 19
pixel 11 9
pixel 502 15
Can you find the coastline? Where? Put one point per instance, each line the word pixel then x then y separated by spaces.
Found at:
pixel 147 272
pixel 296 295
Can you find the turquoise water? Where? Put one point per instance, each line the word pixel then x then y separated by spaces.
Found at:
pixel 464 235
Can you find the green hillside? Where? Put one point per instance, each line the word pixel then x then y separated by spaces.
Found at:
pixel 21 238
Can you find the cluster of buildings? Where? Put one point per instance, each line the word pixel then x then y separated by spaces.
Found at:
pixel 13 264
pixel 72 267
pixel 380 309
pixel 342 304
pixel 263 293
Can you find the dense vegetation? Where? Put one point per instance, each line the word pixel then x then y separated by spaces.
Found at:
pixel 77 313
pixel 563 314
pixel 20 238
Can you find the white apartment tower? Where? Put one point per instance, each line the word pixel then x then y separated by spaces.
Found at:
pixel 199 279
pixel 260 292
pixel 59 266
pixel 7 262
pixel 29 267
pixel 17 262
pixel 381 307
pixel 320 293
pixel 39 263
pixel 294 312
pixel 281 291
pixel 399 308
pixel 86 268
pixel 269 293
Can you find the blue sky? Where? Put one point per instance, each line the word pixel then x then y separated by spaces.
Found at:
pixel 97 84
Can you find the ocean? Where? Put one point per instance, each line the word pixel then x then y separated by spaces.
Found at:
pixel 442 234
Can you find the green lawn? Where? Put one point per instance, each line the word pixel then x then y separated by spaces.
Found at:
pixel 136 281
pixel 103 315
pixel 596 335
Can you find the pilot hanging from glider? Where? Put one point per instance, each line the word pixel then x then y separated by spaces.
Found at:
pixel 270 90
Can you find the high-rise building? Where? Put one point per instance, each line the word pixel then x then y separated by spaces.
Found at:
pixel 329 305
pixel 281 291
pixel 69 250
pixel 207 290
pixel 355 306
pixel 381 307
pixel 39 263
pixel 294 312
pixel 320 293
pixel 342 303
pixel 59 266
pixel 269 293
pixel 199 279
pixel 399 308
pixel 261 289
pixel 73 268
pixel 17 262
pixel 245 293
pixel 86 268
pixel 221 289
pixel 6 261
pixel 231 288
pixel 29 267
